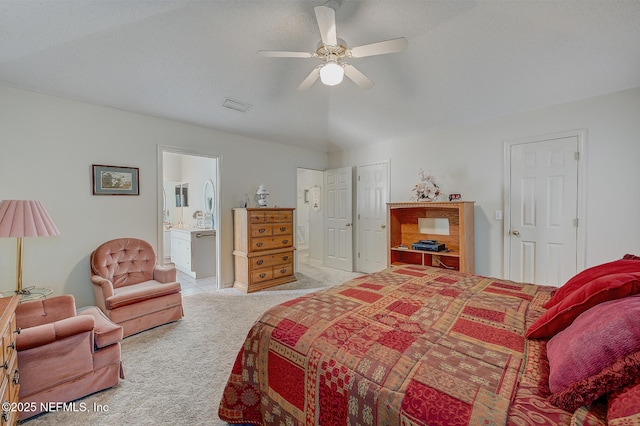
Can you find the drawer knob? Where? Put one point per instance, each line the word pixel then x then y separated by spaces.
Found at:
pixel 262 275
pixel 260 262
pixel 261 230
pixel 285 257
pixel 282 229
pixel 285 241
pixel 259 244
pixel 283 270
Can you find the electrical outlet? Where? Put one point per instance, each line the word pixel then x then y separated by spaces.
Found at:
pixel 497 215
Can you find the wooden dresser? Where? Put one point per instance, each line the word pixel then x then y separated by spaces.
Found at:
pixel 262 247
pixel 10 377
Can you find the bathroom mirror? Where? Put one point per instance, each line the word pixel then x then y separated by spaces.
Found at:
pixel 209 194
pixel 182 199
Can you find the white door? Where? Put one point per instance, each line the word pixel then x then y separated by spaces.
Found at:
pixel 373 195
pixel 338 219
pixel 543 211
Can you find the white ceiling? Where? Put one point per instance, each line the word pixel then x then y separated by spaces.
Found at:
pixel 467 61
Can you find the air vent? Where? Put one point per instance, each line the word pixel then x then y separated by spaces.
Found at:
pixel 235 105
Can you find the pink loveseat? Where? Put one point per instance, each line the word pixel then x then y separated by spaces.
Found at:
pixel 64 355
pixel 131 289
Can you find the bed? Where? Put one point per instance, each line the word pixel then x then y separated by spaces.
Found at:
pixel 414 345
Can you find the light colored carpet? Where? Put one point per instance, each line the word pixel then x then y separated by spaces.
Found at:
pixel 175 373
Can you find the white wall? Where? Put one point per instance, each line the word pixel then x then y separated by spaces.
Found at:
pixel 469 160
pixel 47 147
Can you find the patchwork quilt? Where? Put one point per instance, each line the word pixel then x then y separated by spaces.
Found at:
pixel 410 345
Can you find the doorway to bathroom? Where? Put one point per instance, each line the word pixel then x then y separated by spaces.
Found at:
pixel 309 217
pixel 188 212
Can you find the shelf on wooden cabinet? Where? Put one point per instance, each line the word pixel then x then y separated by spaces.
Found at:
pixel 404 229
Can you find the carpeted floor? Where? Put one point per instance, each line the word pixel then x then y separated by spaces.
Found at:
pixel 175 373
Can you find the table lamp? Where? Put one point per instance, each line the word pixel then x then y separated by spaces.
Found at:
pixel 262 196
pixel 24 218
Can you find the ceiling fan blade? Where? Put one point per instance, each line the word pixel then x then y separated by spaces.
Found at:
pixel 380 48
pixel 327 23
pixel 358 78
pixel 311 78
pixel 283 54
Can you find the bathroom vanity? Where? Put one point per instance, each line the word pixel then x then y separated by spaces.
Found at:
pixel 193 251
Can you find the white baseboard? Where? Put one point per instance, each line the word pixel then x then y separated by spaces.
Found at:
pixel 316 262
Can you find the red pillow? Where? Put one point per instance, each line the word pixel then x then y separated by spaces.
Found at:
pixel 595 340
pixel 593 387
pixel 623 405
pixel 597 354
pixel 629 263
pixel 560 316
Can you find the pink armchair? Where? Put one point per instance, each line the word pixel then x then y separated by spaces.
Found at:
pixel 131 289
pixel 64 355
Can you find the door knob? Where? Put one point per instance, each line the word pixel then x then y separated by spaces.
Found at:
pixel 348 224
pixel 383 226
pixel 515 232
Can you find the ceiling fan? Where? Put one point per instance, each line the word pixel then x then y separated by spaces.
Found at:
pixel 333 51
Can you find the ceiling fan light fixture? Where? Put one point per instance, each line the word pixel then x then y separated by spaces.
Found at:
pixel 331 73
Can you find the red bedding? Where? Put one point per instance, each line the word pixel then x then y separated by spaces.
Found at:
pixel 410 345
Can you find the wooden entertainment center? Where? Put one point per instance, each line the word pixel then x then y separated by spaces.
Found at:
pixel 450 223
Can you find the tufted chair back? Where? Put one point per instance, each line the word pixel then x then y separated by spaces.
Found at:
pixel 124 261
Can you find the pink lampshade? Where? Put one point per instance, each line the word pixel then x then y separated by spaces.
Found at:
pixel 25 218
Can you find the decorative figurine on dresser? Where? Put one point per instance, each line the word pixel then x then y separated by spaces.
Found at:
pixel 262 247
pixel 262 193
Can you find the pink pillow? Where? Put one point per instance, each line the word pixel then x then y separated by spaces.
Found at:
pixel 597 354
pixel 560 316
pixel 629 263
pixel 593 387
pixel 595 340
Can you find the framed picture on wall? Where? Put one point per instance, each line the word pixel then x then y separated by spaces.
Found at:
pixel 115 180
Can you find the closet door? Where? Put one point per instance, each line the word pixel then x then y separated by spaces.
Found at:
pixel 338 218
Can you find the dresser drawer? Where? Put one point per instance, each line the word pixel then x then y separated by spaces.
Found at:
pixel 268 243
pixel 9 341
pixel 261 275
pixel 282 271
pixel 271 260
pixel 282 229
pixel 285 217
pixel 272 216
pixel 261 230
pixel 257 217
pixel 285 259
pixel 9 403
pixel 6 403
pixel 13 377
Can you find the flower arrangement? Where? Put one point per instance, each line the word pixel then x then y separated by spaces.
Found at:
pixel 427 189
